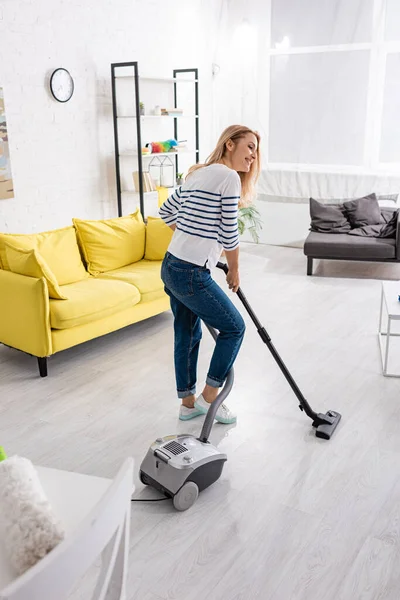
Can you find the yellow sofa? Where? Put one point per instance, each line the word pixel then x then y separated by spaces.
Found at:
pixel 64 287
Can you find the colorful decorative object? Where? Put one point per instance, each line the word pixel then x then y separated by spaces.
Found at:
pixel 158 147
pixel 6 182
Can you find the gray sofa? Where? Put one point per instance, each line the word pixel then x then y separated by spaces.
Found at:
pixel 346 241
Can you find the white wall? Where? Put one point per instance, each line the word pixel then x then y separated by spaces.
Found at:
pixel 62 155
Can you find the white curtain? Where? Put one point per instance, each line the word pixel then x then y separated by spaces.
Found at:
pixel 320 80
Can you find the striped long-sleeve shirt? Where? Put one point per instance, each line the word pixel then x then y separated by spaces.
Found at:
pixel 205 211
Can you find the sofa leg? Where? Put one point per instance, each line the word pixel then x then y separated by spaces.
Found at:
pixel 309 265
pixel 42 362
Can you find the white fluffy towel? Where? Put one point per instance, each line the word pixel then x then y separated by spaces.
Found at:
pixel 29 527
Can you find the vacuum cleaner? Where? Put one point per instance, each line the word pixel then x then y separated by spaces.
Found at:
pixel 180 466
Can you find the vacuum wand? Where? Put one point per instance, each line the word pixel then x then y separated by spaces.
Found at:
pixel 325 423
pixel 212 411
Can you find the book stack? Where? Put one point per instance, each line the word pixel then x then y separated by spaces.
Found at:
pixel 148 182
pixel 182 146
pixel 172 112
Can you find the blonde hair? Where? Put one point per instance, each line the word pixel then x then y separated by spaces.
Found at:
pixel 248 180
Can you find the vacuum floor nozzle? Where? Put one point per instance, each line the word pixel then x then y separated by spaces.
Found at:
pixel 326 424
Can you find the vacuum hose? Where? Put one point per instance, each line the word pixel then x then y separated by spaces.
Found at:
pixel 212 411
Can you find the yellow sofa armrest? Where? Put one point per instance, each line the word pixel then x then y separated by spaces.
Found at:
pixel 25 314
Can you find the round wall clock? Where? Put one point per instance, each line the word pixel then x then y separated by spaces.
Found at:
pixel 61 85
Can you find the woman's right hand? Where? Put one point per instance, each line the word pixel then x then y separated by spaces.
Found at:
pixel 233 281
pixel 232 278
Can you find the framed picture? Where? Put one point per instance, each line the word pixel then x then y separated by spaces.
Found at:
pixel 6 182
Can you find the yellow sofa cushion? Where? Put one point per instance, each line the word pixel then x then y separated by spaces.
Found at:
pixel 90 300
pixel 112 243
pixel 158 237
pixel 59 249
pixel 144 275
pixel 32 264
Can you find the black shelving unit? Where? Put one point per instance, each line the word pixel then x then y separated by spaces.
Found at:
pixel 136 97
pixel 196 110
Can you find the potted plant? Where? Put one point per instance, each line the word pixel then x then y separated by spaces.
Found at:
pixel 249 219
pixel 179 178
pixel 141 107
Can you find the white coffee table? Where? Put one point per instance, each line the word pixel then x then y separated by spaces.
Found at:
pixel 389 300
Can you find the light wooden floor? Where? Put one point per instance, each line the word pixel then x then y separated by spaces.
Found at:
pixel 293 517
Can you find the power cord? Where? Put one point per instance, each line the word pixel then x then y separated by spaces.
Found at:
pixel 149 499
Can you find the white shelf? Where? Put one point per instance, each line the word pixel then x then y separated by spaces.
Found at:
pixel 169 79
pixel 160 117
pixel 134 193
pixel 159 153
pixel 162 79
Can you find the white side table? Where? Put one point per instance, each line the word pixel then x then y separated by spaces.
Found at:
pixel 389 299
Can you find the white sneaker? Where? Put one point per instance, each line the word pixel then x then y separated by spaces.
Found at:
pixel 185 413
pixel 224 415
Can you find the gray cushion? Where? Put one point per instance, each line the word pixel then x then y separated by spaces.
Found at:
pixel 387 214
pixel 328 218
pixel 369 230
pixel 387 229
pixel 384 199
pixel 325 245
pixel 364 211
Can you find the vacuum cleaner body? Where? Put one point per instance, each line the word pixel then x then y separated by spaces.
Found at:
pixel 181 466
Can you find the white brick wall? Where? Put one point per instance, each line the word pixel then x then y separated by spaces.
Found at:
pixel 62 155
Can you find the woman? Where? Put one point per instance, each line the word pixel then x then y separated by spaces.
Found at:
pixel 204 216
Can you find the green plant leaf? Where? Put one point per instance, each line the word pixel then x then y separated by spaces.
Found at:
pixel 249 218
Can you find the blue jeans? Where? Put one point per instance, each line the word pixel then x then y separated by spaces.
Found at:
pixel 194 295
